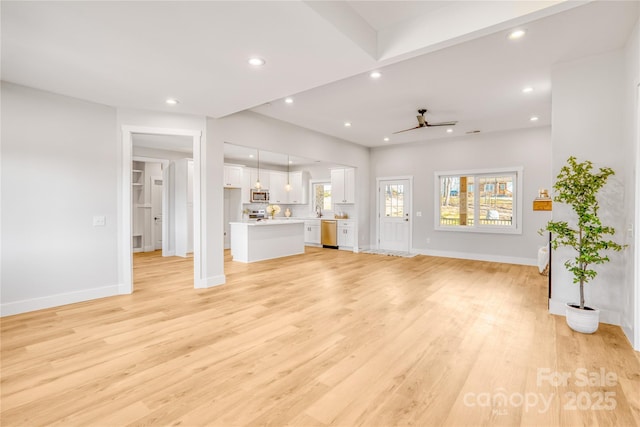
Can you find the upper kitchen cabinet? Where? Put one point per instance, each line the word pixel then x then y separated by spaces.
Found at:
pixel 277 191
pixel 264 176
pixel 233 176
pixel 343 186
pixel 299 182
pixel 297 195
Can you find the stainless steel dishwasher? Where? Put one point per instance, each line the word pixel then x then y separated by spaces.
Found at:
pixel 329 233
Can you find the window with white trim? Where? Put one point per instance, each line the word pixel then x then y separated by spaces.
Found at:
pixel 321 194
pixel 486 201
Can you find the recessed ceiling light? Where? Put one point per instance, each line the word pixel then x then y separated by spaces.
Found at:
pixel 288 100
pixel 257 62
pixel 290 162
pixel 375 74
pixel 527 89
pixel 347 124
pixel 516 34
pixel 449 130
pixel 172 101
pixel 534 118
pixel 385 139
pixel 251 156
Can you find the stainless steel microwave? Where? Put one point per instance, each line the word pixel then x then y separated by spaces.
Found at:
pixel 259 196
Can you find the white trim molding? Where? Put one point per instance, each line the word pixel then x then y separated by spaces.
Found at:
pixel 210 282
pixel 33 304
pixel 606 316
pixel 477 257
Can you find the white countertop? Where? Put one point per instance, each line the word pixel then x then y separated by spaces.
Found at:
pixel 291 220
pixel 324 218
pixel 264 222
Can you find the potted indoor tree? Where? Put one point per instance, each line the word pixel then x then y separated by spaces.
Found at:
pixel 578 185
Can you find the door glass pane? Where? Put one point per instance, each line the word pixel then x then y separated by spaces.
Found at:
pixel 394 200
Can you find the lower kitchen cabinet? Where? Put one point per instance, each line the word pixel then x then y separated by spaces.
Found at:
pixel 345 235
pixel 312 232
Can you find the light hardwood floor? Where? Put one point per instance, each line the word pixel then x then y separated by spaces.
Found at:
pixel 325 338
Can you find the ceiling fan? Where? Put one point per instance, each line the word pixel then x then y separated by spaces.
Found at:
pixel 422 123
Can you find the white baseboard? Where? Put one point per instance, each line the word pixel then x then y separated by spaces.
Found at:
pixel 606 316
pixel 628 332
pixel 169 253
pixel 477 257
pixel 149 248
pixel 212 281
pixel 33 304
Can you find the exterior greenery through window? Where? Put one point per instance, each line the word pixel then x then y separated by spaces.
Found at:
pixel 322 196
pixel 485 200
pixel 394 201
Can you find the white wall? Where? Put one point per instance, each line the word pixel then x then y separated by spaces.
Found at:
pixel 630 321
pixel 254 130
pixel 183 206
pixel 529 148
pixel 59 169
pixel 589 122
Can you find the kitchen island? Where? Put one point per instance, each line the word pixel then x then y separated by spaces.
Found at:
pixel 253 241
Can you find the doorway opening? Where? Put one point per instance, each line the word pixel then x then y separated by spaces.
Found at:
pixel 150 205
pixel 186 235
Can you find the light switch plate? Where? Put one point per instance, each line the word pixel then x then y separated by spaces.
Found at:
pixel 99 221
pixel 419 213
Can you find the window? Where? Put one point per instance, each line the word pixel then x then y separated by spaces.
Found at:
pixel 321 196
pixel 479 201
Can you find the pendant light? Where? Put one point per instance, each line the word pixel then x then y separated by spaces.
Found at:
pixel 258 185
pixel 288 186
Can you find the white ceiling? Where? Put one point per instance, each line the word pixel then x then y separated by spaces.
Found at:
pixel 452 58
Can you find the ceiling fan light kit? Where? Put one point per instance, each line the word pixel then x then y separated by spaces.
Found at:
pixel 423 123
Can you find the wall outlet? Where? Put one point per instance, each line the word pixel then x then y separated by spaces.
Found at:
pixel 419 213
pixel 428 240
pixel 99 221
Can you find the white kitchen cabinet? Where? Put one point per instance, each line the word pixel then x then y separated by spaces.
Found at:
pixel 264 178
pixel 245 193
pixel 299 181
pixel 277 191
pixel 249 177
pixel 345 235
pixel 312 232
pixel 253 177
pixel 232 176
pixel 343 186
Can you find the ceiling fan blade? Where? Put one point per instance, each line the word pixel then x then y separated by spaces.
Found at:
pixel 442 124
pixel 400 131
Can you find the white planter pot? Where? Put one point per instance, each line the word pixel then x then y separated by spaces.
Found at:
pixel 584 321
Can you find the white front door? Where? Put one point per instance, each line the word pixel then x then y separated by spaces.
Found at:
pixel 394 214
pixel 156 211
